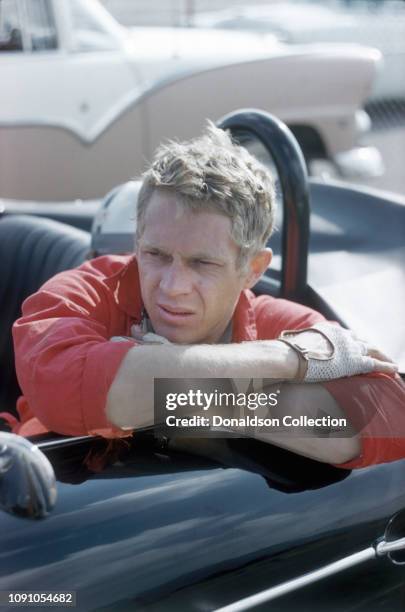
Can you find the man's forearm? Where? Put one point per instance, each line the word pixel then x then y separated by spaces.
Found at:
pixel 297 400
pixel 130 399
pixel 313 401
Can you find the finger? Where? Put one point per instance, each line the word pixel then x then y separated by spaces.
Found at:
pixel 372 351
pixel 155 338
pixel 379 355
pixel 136 332
pixel 384 366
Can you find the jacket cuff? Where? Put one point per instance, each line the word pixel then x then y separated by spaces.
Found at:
pixel 102 364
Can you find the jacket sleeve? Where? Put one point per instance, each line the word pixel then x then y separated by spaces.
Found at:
pixel 374 403
pixel 65 362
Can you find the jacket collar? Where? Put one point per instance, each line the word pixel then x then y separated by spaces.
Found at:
pixel 127 290
pixel 244 320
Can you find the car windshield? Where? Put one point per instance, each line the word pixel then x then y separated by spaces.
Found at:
pixel 93 29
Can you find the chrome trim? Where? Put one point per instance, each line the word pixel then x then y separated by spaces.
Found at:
pixel 296 583
pixel 60 442
pixel 383 548
pixel 360 162
pixel 86 136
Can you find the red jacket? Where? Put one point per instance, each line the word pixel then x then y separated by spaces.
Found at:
pixel 66 364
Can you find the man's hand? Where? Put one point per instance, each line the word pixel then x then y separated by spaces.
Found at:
pixel 147 337
pixel 328 351
pixel 141 337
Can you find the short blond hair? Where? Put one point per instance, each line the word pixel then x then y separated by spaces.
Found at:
pixel 213 173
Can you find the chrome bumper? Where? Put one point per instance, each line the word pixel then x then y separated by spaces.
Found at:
pixel 361 162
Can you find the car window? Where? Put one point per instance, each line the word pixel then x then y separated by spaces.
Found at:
pixel 40 25
pixel 89 31
pixel 10 26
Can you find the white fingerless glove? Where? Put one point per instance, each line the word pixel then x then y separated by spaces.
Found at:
pixel 328 351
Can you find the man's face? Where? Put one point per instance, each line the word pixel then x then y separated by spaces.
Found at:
pixel 190 284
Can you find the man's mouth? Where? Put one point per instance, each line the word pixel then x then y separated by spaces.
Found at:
pixel 174 312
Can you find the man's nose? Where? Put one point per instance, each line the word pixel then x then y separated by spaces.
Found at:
pixel 176 279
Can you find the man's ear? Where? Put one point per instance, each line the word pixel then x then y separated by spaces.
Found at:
pixel 257 265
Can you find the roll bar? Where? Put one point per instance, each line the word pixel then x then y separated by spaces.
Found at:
pixel 289 161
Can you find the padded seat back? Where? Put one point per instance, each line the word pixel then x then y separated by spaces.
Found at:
pixel 32 250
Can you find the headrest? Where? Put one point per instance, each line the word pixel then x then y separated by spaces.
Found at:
pixel 113 227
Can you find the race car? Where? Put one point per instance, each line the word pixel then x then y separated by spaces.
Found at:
pixel 247 525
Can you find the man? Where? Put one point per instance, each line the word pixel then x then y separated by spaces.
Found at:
pixel 204 215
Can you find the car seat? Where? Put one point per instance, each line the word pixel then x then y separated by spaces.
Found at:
pixel 31 251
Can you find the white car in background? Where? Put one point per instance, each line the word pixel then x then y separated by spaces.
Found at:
pixel 379 24
pixel 85 101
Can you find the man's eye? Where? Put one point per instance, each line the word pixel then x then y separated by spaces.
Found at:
pixel 203 262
